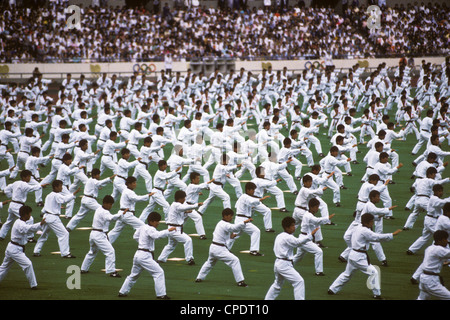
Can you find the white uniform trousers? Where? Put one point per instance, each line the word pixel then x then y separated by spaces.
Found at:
pixel 199 169
pixel 314 249
pixel 218 252
pixel 107 161
pixel 87 204
pixel 143 260
pixel 198 222
pixel 118 186
pixel 98 241
pixel 298 215
pixel 236 184
pixel 174 183
pixel 215 191
pixel 20 163
pixel 157 198
pixel 427 234
pixel 266 213
pixel 420 204
pixel 53 223
pixel 430 286
pixel 251 230
pixel 126 219
pixel 285 271
pixel 175 237
pixel 357 261
pixel 284 174
pixel 15 253
pixel 141 171
pixel 278 194
pixel 247 165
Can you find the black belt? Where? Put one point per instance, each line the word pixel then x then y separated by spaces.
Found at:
pixel 18 244
pixel 59 159
pixel 18 202
pixel 123 209
pixel 363 251
pixel 218 183
pixel 162 190
pixel 144 163
pixel 147 250
pixel 24 152
pixel 362 201
pixel 423 195
pixel 429 215
pixel 55 214
pixel 122 177
pixel 429 273
pixel 286 259
pixel 313 237
pixel 302 208
pixel 425 130
pixel 108 155
pixel 219 244
pixel 243 215
pixel 99 230
pixel 176 225
pixel 86 195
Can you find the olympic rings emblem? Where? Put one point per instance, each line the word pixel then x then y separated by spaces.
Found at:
pixel 316 64
pixel 143 68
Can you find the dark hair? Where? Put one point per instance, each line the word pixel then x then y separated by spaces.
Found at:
pixel 313 203
pixel 250 186
pixel 24 210
pixel 373 194
pixel 437 188
pixel 56 183
pixel 287 222
pixel 366 218
pixel 227 212
pixel 25 173
pixel 440 235
pixel 154 216
pixel 180 194
pixel 108 199
pixel 129 180
pixel 194 175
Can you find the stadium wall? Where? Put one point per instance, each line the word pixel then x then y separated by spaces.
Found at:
pixel 59 70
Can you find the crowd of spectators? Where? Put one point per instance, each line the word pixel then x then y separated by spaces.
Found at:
pixel 113 34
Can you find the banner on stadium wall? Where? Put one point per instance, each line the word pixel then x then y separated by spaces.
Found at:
pixel 126 69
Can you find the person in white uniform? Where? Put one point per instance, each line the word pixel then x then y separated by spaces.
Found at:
pixel 219 251
pixel 244 210
pixel 311 222
pixel 18 193
pixel 128 201
pixel 98 239
pixel 284 246
pixel 15 250
pixel 52 211
pixel 177 216
pixel 358 259
pixel 430 283
pixel 434 210
pixel 143 258
pixel 89 201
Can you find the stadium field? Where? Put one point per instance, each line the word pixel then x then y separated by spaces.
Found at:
pixel 53 273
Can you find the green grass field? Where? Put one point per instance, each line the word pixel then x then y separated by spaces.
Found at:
pixel 51 269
